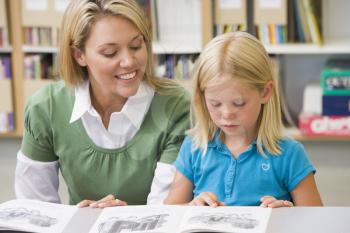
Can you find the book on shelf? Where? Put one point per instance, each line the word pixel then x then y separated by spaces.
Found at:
pixel 335 77
pixel 337 105
pixel 230 16
pixel 313 18
pixel 37 216
pixel 149 8
pixel 6 102
pixel 179 23
pixel 4 42
pixel 270 19
pixel 41 21
pixel 318 125
pixel 6 106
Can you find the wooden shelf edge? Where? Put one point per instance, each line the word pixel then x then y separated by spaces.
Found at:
pixel 6 49
pixel 297 135
pixel 10 135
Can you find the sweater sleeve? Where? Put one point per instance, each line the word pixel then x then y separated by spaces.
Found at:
pixel 179 122
pixel 37 141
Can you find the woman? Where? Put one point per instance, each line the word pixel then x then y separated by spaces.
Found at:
pixel 111 127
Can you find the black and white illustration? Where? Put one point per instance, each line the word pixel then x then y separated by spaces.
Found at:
pixel 31 216
pixel 244 221
pixel 35 216
pixel 132 223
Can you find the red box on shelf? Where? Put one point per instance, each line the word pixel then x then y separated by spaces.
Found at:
pixel 317 125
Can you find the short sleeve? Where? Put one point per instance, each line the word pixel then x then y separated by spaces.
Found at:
pixel 37 143
pixel 298 164
pixel 183 163
pixel 178 123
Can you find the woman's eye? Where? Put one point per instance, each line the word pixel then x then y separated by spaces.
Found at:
pixel 109 54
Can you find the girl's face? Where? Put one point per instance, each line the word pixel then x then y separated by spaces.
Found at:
pixel 235 107
pixel 115 56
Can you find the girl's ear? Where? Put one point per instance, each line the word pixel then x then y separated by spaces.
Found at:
pixel 267 92
pixel 78 56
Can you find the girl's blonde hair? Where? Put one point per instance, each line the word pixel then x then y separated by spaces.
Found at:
pixel 78 19
pixel 242 56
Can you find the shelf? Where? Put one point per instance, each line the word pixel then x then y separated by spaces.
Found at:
pixel 297 135
pixel 6 50
pixel 10 135
pixel 158 48
pixel 174 48
pixel 330 46
pixel 39 49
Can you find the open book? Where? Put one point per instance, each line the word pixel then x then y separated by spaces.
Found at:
pixel 36 216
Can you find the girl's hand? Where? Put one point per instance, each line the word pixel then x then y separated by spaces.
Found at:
pixel 107 201
pixel 206 198
pixel 269 201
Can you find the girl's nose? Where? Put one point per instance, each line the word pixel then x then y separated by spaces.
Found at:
pixel 228 115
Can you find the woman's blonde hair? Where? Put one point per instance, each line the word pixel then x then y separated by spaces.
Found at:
pixel 241 56
pixel 78 19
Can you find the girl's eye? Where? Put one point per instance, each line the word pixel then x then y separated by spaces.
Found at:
pixel 135 48
pixel 239 104
pixel 215 105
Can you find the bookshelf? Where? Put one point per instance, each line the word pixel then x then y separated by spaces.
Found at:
pixel 24 14
pixel 300 63
pixel 6 100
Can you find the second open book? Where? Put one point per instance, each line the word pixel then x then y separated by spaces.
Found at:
pixel 36 216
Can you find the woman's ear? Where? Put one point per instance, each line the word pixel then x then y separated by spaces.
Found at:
pixel 78 56
pixel 267 92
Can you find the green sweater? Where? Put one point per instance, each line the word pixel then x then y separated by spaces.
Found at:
pixel 92 172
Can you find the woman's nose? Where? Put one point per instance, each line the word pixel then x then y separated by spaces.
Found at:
pixel 126 59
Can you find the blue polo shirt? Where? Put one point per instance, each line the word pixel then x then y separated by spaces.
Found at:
pixel 243 181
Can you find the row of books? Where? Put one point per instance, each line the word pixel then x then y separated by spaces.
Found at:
pixel 4 41
pixel 6 107
pixel 276 22
pixel 220 29
pixel 308 16
pixel 40 66
pixel 5 68
pixel 333 117
pixel 6 122
pixel 40 36
pixel 176 66
pixel 270 34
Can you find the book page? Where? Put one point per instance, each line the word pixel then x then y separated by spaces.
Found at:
pixel 35 216
pixel 225 219
pixel 148 219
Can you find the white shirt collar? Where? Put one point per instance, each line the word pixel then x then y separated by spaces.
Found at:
pixel 134 109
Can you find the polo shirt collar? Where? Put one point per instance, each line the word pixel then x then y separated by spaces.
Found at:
pixel 216 142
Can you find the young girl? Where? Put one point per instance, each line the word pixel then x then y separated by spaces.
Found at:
pixel 235 153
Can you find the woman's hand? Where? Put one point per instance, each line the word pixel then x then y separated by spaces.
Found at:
pixel 269 201
pixel 206 198
pixel 107 201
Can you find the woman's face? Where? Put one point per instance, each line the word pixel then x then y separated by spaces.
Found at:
pixel 115 56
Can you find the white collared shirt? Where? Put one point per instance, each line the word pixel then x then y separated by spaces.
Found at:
pixel 39 180
pixel 122 126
